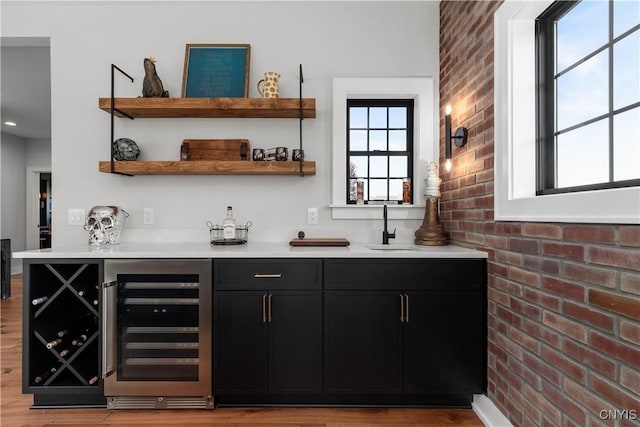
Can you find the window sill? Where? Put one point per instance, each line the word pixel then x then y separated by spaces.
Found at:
pixel 375 211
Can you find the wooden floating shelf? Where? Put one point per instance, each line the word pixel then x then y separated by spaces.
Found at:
pixel 209 167
pixel 210 107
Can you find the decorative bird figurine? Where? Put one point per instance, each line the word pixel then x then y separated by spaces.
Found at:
pixel 152 85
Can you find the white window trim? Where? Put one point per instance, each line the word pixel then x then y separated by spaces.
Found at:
pixel 514 139
pixel 425 147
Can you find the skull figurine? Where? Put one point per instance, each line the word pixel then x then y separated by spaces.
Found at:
pixel 104 224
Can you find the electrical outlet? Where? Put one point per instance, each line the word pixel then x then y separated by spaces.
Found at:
pixel 148 216
pixel 75 217
pixel 312 216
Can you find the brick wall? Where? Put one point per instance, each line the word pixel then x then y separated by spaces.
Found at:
pixel 564 299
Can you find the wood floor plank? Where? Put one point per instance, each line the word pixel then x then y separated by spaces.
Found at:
pixel 15 412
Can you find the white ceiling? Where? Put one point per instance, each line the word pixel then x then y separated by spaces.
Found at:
pixel 25 91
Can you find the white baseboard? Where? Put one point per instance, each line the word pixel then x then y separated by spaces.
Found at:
pixel 488 413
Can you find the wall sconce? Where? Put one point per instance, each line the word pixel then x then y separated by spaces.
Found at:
pixel 459 138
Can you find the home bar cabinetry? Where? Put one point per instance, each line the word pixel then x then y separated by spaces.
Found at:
pixel 61 345
pixel 294 326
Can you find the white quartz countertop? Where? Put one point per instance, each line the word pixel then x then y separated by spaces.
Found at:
pixel 250 250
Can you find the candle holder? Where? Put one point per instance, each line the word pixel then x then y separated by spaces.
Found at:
pixel 431 232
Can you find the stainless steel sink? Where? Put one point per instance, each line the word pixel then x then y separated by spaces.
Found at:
pixel 392 247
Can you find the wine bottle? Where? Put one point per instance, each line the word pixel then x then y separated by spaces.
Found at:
pixel 54 343
pixel 63 332
pixel 93 380
pixel 82 292
pixel 39 300
pixel 64 352
pixel 229 225
pixel 80 339
pixel 46 374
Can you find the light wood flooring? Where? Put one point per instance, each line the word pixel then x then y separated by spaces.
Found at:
pixel 15 412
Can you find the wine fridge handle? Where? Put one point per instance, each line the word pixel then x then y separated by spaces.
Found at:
pixel 108 327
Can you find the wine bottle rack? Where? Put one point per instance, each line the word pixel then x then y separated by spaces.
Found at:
pixel 61 346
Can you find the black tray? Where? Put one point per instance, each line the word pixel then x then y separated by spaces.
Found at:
pixel 228 242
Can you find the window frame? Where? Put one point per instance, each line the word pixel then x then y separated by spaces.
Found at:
pixel 408 152
pixel 422 91
pixel 515 180
pixel 546 101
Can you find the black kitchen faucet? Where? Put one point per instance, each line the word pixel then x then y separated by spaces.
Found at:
pixel 385 234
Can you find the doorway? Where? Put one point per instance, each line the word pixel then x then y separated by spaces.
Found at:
pixel 44 210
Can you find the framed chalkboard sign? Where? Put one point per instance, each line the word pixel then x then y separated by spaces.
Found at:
pixel 216 71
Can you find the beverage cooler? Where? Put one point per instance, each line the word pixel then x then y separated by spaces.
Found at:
pixel 157 334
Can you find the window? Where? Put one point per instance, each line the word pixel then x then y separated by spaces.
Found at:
pixel 588 101
pixel 420 122
pixel 515 144
pixel 380 149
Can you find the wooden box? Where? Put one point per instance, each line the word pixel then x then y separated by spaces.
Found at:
pixel 215 149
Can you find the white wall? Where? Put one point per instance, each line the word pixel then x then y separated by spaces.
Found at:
pixel 12 193
pixel 330 39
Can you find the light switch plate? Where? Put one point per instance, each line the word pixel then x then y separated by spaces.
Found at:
pixel 76 216
pixel 312 216
pixel 148 216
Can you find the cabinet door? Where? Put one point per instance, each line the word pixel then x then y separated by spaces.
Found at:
pixel 443 342
pixel 240 342
pixel 295 341
pixel 362 342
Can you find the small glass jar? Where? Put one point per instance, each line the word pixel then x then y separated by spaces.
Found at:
pixel 216 232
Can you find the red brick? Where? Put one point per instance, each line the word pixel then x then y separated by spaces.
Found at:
pixel 613 393
pixel 630 331
pixel 528 246
pixel 565 326
pixel 541 368
pixel 630 282
pixel 584 397
pixel 617 349
pixel 508 316
pixel 568 407
pixel 542 333
pixel 630 379
pixel 544 231
pixel 590 358
pixel 506 373
pixel 496 242
pixel 524 276
pixel 511 348
pixel 524 340
pixel 498 269
pixel 565 289
pixel 563 250
pixel 564 364
pixel 508 228
pixel 514 289
pixel 543 403
pixel 529 310
pixel 523 371
pixel 542 264
pixel 499 297
pixel 542 299
pixel 625 258
pixel 526 406
pixel 589 234
pixel 507 257
pixel 627 306
pixel 630 236
pixel 588 316
pixel 589 274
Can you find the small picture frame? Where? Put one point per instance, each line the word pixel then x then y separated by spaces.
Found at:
pixel 216 71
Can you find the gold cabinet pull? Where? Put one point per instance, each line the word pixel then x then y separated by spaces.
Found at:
pixel 270 295
pixel 401 308
pixel 264 308
pixel 406 311
pixel 267 276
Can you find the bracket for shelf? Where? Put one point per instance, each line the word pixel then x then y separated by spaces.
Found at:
pixel 301 119
pixel 112 110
